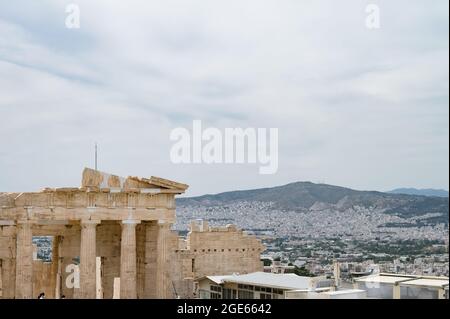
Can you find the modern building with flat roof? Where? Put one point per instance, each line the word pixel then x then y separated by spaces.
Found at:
pixel 326 293
pixel 257 285
pixel 260 285
pixel 394 286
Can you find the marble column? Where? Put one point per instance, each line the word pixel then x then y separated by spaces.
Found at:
pixel 56 265
pixel 24 260
pixel 1 278
pixel 128 270
pixel 161 263
pixel 88 259
pixel 8 278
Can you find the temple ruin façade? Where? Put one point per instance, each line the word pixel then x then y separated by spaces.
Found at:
pixel 116 233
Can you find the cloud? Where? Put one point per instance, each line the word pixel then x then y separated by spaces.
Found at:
pixel 356 107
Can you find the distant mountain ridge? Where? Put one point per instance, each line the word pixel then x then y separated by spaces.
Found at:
pixel 307 196
pixel 420 192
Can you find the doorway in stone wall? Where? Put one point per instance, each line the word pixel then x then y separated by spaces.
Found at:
pixel 46 267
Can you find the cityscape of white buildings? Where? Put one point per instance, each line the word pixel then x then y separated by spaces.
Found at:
pixel 358 237
pixel 357 222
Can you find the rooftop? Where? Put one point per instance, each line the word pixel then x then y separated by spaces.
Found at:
pixel 410 280
pixel 427 283
pixel 279 281
pixel 344 292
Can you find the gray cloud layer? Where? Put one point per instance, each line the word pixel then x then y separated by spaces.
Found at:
pixel 355 107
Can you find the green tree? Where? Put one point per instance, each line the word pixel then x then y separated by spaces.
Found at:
pixel 302 271
pixel 267 262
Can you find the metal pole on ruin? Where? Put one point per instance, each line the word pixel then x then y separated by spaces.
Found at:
pixel 96 157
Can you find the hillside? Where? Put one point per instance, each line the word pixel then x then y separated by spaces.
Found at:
pixel 307 196
pixel 421 192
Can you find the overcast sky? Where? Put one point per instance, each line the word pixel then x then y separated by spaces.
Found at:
pixel 356 107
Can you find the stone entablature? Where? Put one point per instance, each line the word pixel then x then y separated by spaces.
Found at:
pixel 137 198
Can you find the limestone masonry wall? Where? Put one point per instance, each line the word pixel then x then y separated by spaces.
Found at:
pixel 213 251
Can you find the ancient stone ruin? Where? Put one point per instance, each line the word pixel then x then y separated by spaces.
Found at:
pixel 112 238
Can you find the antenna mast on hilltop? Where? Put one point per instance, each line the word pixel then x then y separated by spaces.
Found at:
pixel 96 157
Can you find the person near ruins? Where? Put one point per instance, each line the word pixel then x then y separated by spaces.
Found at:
pixel 41 295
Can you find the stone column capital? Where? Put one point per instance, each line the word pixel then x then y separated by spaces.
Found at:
pixel 131 222
pixel 163 223
pixel 25 221
pixel 29 211
pixel 89 222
